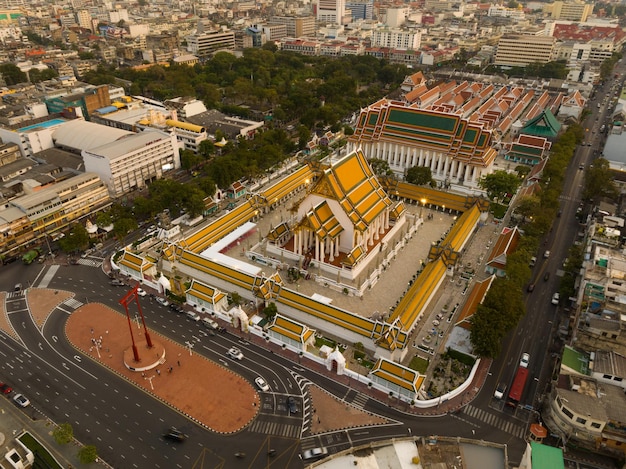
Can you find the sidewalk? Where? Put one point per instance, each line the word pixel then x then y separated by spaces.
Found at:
pixel 14 420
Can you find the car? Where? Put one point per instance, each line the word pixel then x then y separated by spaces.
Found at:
pixel 546 276
pixel 210 323
pixel 291 403
pixel 174 434
pixel 117 283
pixel 531 287
pixel 581 166
pixel 163 301
pixel 193 316
pixel 262 384
pixel 533 261
pixel 18 287
pixel 314 453
pixel 141 292
pixel 555 299
pixel 21 400
pixel 235 353
pixel 546 254
pixel 500 390
pixel 5 388
pixel 524 360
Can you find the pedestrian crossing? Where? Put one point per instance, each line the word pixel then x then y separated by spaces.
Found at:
pixel 360 400
pixel 15 295
pixel 47 278
pixel 73 303
pixel 90 262
pixel 495 421
pixel 275 428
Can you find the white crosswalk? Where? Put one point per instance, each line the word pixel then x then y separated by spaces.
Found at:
pixel 360 400
pixel 89 262
pixel 72 303
pixel 495 421
pixel 275 428
pixel 12 295
pixel 47 278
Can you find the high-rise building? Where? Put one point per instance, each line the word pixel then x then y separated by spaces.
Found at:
pixel 361 9
pixel 572 11
pixel 83 18
pixel 203 44
pixel 521 50
pixel 331 11
pixel 396 38
pixel 297 26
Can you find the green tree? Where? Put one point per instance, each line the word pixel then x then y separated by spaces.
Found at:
pixel 11 74
pixel 499 183
pixel 63 434
pixel 486 332
pixel 419 175
pixel 123 226
pixel 527 206
pixel 270 311
pixel 206 149
pixel 76 240
pixel 189 159
pixel 235 298
pixel 87 454
pixel 380 167
pixel 599 181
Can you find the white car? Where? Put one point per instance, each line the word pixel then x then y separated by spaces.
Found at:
pixel 193 316
pixel 555 299
pixel 262 384
pixel 235 353
pixel 524 361
pixel 163 301
pixel 314 453
pixel 21 400
pixel 546 254
pixel 141 292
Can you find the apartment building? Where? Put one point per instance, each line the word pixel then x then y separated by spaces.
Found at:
pixel 521 50
pixel 28 219
pixel 572 11
pixel 330 11
pixel 361 9
pixel 207 43
pixel 396 38
pixel 132 162
pixel 296 26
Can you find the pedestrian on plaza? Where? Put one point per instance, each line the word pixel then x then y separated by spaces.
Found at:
pixel 158 372
pixel 178 362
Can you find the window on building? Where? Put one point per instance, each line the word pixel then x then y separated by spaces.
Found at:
pixel 581 420
pixel 567 412
pixel 595 425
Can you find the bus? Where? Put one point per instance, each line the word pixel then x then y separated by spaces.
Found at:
pixel 517 388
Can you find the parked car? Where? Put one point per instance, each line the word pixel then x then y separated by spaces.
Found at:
pixel 235 353
pixel 555 298
pixel 175 435
pixel 210 323
pixel 314 453
pixel 531 287
pixel 5 388
pixel 500 390
pixel 193 316
pixel 546 254
pixel 18 287
pixel 262 384
pixel 524 360
pixel 141 292
pixel 546 276
pixel 117 283
pixel 21 400
pixel 291 403
pixel 163 301
pixel 177 308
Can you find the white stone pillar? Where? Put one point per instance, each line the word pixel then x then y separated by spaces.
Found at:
pixel 317 249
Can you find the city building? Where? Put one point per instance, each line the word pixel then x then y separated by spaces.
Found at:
pixel 296 26
pixel 88 101
pixel 396 38
pixel 205 43
pixel 135 160
pixel 27 220
pixel 570 10
pixel 521 50
pixel 330 11
pixel 457 151
pixel 361 9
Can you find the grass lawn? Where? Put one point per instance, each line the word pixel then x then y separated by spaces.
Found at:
pixel 498 210
pixel 419 364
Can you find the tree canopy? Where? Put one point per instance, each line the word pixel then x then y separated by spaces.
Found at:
pixel 499 183
pixel 419 175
